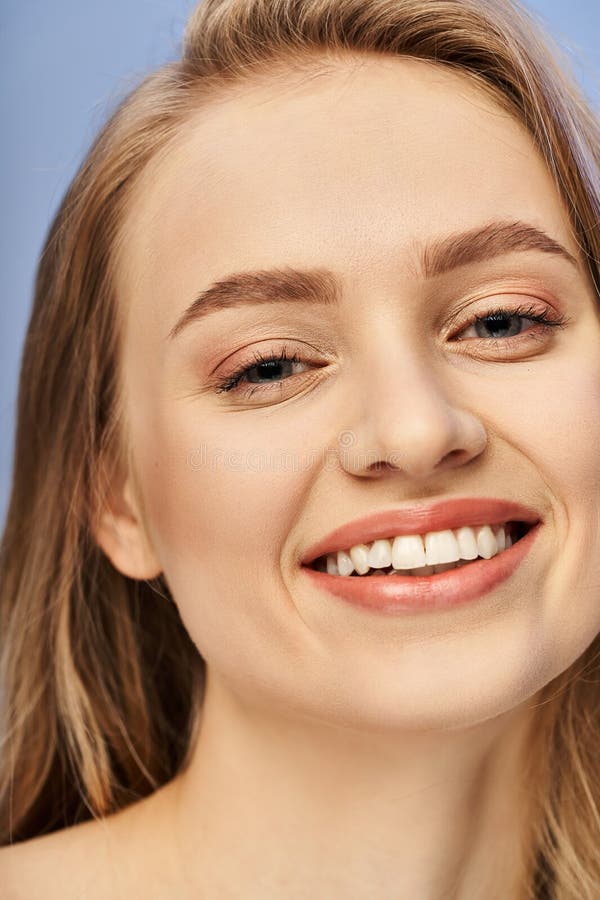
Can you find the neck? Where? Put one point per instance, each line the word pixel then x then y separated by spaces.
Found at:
pixel 270 801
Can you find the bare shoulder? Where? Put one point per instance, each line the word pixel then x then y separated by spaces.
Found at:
pixel 65 864
pixel 95 860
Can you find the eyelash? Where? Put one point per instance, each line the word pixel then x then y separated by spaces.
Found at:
pixel 525 312
pixel 231 381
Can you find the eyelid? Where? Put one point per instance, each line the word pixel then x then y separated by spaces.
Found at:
pixel 542 313
pixel 508 300
pixel 525 308
pixel 281 352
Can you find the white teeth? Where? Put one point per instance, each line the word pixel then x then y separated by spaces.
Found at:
pixel 360 557
pixel 441 547
pixel 486 542
pixel 380 554
pixel 467 543
pixel 408 552
pixel 344 563
pixel 332 568
pixel 500 536
pixel 436 551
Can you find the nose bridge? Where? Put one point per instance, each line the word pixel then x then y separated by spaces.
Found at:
pixel 406 414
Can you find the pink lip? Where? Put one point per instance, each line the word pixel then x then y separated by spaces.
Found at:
pixel 397 593
pixel 418 520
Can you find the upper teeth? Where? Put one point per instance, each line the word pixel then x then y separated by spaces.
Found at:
pixel 411 551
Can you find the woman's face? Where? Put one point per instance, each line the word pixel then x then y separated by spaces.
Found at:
pixel 360 171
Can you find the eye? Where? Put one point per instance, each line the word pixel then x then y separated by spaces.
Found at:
pixel 265 372
pixel 268 373
pixel 503 323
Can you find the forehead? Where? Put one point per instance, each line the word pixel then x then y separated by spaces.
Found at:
pixel 355 165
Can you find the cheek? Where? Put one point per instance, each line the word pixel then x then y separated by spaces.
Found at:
pixel 221 499
pixel 562 429
pixel 225 494
pixel 568 419
pixel 561 435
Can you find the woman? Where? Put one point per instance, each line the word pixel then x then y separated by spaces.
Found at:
pixel 320 305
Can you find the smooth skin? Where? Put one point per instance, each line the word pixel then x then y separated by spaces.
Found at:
pixel 344 753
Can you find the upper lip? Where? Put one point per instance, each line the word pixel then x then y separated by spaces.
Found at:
pixel 418 519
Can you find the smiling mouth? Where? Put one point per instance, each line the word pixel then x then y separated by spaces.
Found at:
pixel 514 531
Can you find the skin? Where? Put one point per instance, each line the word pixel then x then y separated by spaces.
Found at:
pixel 344 753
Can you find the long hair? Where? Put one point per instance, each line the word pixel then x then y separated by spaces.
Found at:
pixel 101 686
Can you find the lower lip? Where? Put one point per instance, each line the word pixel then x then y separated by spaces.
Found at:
pixel 413 593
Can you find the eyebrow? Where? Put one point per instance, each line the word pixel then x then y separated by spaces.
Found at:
pixel 321 287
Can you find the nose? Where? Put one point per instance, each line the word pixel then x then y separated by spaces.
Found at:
pixel 408 420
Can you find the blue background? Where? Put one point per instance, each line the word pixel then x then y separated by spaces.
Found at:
pixel 63 65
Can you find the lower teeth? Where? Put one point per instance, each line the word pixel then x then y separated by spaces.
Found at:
pixel 424 570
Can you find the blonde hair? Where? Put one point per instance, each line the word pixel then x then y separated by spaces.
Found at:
pixel 101 684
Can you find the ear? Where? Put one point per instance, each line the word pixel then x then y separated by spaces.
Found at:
pixel 119 530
